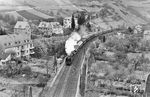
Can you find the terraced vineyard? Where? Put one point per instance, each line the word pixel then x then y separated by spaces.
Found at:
pixel 29 15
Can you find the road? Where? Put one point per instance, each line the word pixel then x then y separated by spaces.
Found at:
pixel 67 81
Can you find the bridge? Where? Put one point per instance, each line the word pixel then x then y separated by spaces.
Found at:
pixel 68 81
pixel 147 89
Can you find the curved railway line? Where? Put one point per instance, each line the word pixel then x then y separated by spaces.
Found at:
pixel 67 81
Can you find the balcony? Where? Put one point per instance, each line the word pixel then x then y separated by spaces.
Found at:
pixel 23 54
pixel 31 46
pixel 32 52
pixel 23 48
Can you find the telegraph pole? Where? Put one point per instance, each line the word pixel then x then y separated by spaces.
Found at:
pixel 30 91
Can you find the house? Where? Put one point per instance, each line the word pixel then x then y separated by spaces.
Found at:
pixel 45 27
pixel 138 29
pixel 21 44
pixel 56 28
pixel 67 22
pixel 50 28
pixel 4 57
pixel 146 29
pixel 22 27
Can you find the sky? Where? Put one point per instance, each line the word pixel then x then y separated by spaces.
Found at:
pixel 6 1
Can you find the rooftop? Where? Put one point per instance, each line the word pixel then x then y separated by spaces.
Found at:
pixel 55 25
pixel 12 40
pixel 21 24
pixel 44 25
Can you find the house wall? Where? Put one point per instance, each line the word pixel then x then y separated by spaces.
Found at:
pixel 57 31
pixel 20 30
pixel 48 31
pixel 67 22
pixel 22 50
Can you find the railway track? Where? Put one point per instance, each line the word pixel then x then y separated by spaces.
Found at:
pixel 67 81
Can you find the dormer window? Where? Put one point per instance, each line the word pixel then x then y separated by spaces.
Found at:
pixel 24 40
pixel 19 26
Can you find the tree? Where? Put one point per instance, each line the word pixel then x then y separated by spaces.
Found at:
pixel 6 18
pixel 72 22
pixel 2 32
pixel 1 16
pixel 12 20
pixel 67 31
pixel 58 13
pixel 19 18
pixel 81 18
pixel 89 27
pixel 60 20
pixel 51 13
pixel 139 61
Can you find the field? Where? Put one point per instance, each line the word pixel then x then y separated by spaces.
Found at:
pixel 140 8
pixel 37 13
pixel 52 4
pixel 29 15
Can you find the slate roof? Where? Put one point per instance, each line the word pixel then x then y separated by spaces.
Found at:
pixel 21 24
pixel 13 40
pixel 44 25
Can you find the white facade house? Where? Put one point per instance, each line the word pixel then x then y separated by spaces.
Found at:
pixel 45 27
pixel 22 27
pixel 50 28
pixel 67 22
pixel 21 44
pixel 56 28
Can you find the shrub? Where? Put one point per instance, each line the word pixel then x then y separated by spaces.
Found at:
pixel 42 81
pixel 26 70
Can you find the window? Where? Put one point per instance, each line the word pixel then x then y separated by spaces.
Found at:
pixel 24 40
pixel 19 42
pixel 31 45
pixel 9 43
pixel 15 42
pixel 5 44
pixel 18 53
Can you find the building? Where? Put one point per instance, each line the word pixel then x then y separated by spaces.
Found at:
pixel 67 22
pixel 4 58
pixel 22 27
pixel 50 28
pixel 45 27
pixel 56 28
pixel 138 29
pixel 21 44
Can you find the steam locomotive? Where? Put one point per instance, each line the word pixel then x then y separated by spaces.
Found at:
pixel 70 57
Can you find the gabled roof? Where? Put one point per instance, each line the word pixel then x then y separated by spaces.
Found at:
pixel 55 25
pixel 3 56
pixel 21 24
pixel 44 25
pixel 13 40
pixel 50 25
pixel 146 27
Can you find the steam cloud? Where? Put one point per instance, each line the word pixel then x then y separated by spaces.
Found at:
pixel 71 42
